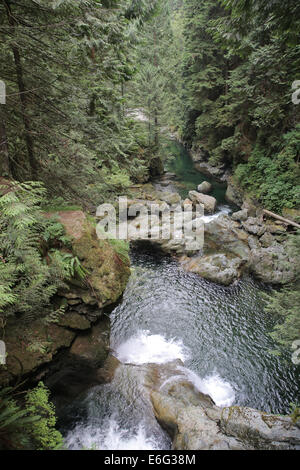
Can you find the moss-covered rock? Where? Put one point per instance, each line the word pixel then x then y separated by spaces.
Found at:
pixel 108 273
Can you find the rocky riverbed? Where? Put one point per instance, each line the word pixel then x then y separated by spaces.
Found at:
pixel 233 243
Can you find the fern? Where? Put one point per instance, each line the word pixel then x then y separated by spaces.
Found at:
pixel 27 281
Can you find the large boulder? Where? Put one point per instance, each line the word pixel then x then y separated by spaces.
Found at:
pixel 217 268
pixel 108 273
pixel 205 187
pixel 168 197
pixel 255 226
pixel 240 216
pixel 273 265
pixel 209 202
pixel 182 413
pixel 224 234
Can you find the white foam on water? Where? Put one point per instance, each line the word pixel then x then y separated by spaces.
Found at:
pixel 110 437
pixel 145 348
pixel 223 210
pixel 213 385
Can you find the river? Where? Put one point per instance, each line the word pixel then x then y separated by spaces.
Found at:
pixel 220 334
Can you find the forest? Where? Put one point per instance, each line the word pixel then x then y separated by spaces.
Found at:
pixel 91 92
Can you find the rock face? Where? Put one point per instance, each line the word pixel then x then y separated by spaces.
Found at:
pixel 194 422
pixel 200 158
pixel 81 367
pixel 205 187
pixel 209 202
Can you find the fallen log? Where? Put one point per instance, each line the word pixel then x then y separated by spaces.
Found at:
pixel 282 219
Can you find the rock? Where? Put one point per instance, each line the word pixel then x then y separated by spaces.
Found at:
pixel 93 346
pixel 194 422
pixel 74 302
pixel 275 228
pixel 255 226
pixel 267 240
pixel 218 268
pixel 225 234
pixel 169 198
pixel 169 175
pixel 200 158
pixel 75 321
pixel 234 193
pixel 31 346
pixel 205 187
pixel 250 206
pixel 106 373
pixel 253 243
pixel 260 430
pixel 73 222
pixel 187 202
pixel 108 274
pixel 198 155
pixel 273 265
pixel 209 202
pixel 80 368
pixel 240 216
pixel 189 426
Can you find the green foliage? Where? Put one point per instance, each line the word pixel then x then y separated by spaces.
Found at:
pixel 65 122
pixel 295 412
pixel 241 58
pixel 30 423
pixel 43 433
pixel 27 280
pixel 274 180
pixel 286 303
pixel 70 265
pixel 121 247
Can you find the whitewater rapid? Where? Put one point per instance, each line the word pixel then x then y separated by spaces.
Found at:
pixel 145 348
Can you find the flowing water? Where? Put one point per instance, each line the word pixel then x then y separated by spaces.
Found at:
pixel 221 334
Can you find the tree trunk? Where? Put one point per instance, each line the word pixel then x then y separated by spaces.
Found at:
pixel 282 219
pixel 5 169
pixel 156 138
pixel 23 97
